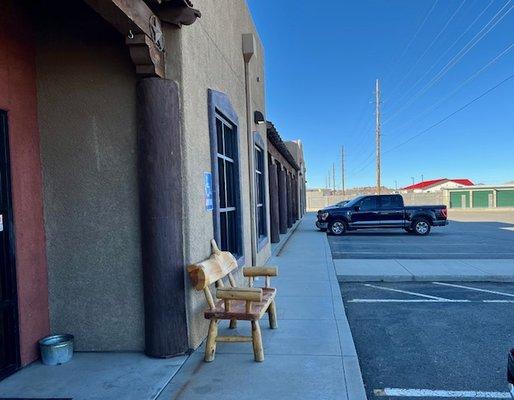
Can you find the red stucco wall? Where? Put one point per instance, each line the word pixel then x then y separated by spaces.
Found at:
pixel 18 98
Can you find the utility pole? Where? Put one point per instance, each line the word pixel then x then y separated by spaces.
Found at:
pixel 342 169
pixel 329 185
pixel 377 134
pixel 334 176
pixel 422 178
pixel 396 185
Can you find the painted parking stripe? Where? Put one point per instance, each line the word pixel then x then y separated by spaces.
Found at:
pixel 429 301
pixel 474 288
pixel 408 301
pixel 468 394
pixel 406 292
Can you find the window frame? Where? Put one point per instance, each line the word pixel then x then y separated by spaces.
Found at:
pixel 258 146
pixel 220 108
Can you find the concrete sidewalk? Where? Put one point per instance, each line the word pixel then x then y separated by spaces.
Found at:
pixel 392 270
pixel 310 356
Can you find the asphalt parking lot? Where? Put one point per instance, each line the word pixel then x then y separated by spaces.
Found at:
pixel 470 235
pixel 427 340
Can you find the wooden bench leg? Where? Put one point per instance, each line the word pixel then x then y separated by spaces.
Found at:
pixel 258 351
pixel 272 315
pixel 210 345
pixel 233 323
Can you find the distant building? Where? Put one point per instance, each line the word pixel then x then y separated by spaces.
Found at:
pixel 481 196
pixel 437 185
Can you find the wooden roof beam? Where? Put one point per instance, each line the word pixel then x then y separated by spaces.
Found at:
pixel 136 21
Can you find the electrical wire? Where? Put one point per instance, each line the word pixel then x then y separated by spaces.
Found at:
pixel 445 52
pixel 427 49
pixel 472 43
pixel 449 115
pixel 420 27
pixel 440 121
pixel 462 84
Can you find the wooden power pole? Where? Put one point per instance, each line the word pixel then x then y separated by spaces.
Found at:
pixel 342 169
pixel 377 133
pixel 334 176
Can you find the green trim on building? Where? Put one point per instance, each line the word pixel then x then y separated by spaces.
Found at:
pixel 456 199
pixel 505 198
pixel 481 198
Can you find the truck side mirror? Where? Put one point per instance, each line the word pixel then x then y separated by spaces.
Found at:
pixel 356 208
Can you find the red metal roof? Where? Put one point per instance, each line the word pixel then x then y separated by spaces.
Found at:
pixel 426 184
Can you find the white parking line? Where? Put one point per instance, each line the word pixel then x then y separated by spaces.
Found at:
pixel 406 292
pixel 428 301
pixel 410 301
pixel 468 394
pixel 473 288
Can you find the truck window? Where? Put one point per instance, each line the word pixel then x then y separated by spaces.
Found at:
pixel 369 203
pixel 388 202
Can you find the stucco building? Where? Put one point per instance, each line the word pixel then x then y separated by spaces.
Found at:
pixel 436 185
pixel 132 133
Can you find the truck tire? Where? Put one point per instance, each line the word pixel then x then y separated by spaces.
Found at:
pixel 421 227
pixel 337 227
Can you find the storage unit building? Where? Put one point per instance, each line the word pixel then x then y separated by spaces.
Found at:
pixel 501 196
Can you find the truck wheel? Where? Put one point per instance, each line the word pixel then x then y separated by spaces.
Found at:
pixel 421 227
pixel 337 227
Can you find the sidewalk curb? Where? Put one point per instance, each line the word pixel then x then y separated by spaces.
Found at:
pixel 280 245
pixel 355 389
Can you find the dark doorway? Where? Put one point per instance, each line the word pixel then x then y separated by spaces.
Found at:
pixel 9 344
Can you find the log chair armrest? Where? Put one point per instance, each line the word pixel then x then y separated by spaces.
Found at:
pixel 235 293
pixel 260 271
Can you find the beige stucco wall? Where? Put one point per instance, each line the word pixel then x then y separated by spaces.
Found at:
pixel 208 55
pixel 86 106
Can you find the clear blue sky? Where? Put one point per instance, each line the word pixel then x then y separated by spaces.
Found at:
pixel 322 59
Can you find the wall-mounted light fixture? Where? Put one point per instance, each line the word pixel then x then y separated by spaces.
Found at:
pixel 258 118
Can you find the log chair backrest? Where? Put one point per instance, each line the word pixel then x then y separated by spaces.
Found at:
pixel 216 267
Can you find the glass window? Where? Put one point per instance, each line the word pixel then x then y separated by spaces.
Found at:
pixel 260 211
pixel 369 203
pixel 388 202
pixel 227 186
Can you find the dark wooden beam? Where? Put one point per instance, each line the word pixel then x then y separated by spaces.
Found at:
pixel 289 201
pixel 136 21
pixel 282 200
pixel 147 58
pixel 124 15
pixel 161 202
pixel 274 202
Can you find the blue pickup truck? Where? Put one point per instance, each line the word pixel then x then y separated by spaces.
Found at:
pixel 385 211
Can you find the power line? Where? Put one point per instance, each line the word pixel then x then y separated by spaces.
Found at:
pixel 412 39
pixel 455 59
pixel 471 77
pixel 450 115
pixel 445 52
pixel 377 130
pixel 431 44
pixel 442 120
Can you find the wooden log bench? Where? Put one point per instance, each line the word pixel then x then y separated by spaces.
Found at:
pixel 234 303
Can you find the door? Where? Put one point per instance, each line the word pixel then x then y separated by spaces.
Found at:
pixel 9 347
pixel 366 213
pixel 391 211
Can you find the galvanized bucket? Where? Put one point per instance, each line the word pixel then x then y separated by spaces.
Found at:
pixel 56 349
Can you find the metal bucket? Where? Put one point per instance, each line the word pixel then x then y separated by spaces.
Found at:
pixel 56 349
